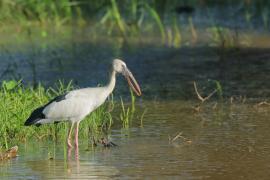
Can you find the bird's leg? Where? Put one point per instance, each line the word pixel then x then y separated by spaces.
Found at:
pixel 77 153
pixel 77 134
pixel 69 136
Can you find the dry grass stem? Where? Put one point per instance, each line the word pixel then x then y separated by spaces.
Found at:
pixel 203 99
pixel 179 136
pixel 263 103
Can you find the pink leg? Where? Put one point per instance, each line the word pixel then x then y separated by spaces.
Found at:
pixel 77 134
pixel 77 153
pixel 69 153
pixel 69 136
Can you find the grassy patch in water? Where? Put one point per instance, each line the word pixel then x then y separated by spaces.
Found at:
pixel 18 101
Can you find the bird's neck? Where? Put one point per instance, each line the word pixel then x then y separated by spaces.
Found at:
pixel 110 86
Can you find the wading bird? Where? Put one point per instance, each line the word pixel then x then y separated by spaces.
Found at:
pixel 75 105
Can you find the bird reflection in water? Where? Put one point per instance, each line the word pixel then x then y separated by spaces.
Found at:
pixel 71 163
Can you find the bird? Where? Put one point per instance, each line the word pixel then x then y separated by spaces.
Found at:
pixel 75 105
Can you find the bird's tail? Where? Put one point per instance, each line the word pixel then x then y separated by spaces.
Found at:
pixel 35 117
pixel 30 122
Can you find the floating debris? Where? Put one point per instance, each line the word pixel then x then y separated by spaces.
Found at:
pixel 179 136
pixel 107 143
pixel 10 153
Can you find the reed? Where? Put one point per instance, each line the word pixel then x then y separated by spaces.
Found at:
pixel 127 111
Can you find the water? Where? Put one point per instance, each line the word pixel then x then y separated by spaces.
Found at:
pixel 230 142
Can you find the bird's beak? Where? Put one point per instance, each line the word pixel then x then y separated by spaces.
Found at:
pixel 132 81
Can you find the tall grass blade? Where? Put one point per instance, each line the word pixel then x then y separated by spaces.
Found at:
pixel 117 16
pixel 156 17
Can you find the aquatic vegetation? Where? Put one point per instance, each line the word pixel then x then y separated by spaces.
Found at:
pixel 193 30
pixel 125 115
pixel 116 14
pixel 132 26
pixel 177 40
pixel 57 12
pixel 142 117
pixel 158 20
pixel 222 37
pixel 127 112
pixel 203 99
pixel 219 89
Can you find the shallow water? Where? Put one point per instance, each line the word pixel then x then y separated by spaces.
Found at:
pixel 229 142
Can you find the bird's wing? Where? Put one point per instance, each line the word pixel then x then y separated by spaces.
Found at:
pixel 38 114
pixel 74 105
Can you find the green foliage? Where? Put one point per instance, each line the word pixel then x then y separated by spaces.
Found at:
pixel 57 12
pixel 222 37
pixel 9 85
pixel 118 19
pixel 219 89
pixel 177 34
pixel 157 19
pixel 127 113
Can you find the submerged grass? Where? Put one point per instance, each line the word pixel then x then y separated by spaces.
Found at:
pixel 17 103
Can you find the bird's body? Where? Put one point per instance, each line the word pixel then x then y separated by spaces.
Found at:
pixel 81 102
pixel 75 105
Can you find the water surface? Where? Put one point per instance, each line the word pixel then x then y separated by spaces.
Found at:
pixel 229 142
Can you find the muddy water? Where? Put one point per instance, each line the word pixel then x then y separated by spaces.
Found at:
pixel 229 142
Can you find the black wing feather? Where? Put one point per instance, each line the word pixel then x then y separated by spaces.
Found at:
pixel 37 114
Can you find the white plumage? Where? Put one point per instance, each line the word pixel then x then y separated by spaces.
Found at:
pixel 76 105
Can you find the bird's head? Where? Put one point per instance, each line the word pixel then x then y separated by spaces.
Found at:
pixel 121 67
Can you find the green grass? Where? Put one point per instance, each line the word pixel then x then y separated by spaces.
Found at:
pixel 127 19
pixel 127 112
pixel 17 103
